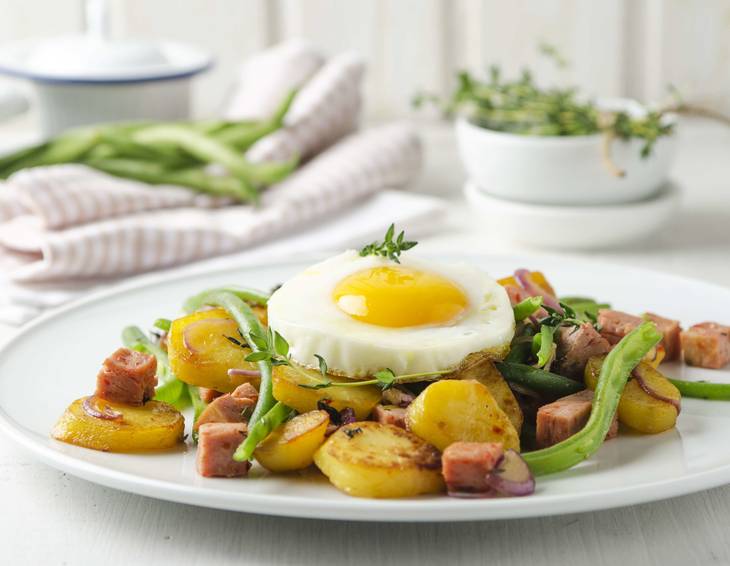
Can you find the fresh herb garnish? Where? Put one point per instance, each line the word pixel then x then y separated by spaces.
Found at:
pixel 388 247
pixel 384 378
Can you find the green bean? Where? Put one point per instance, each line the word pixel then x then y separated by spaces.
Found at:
pixel 526 308
pixel 702 389
pixel 242 135
pixel 209 150
pixel 542 344
pixel 169 389
pixel 20 159
pixel 248 324
pixel 198 403
pixel 275 416
pixel 156 174
pixel 615 371
pixel 538 380
pixel 163 324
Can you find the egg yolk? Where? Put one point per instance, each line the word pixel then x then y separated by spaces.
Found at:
pixel 398 296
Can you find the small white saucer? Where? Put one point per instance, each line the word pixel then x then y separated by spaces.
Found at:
pixel 573 227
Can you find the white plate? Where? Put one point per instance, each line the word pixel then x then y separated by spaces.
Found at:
pixel 573 227
pixel 55 360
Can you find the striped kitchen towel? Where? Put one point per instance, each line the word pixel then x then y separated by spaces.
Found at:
pixel 71 222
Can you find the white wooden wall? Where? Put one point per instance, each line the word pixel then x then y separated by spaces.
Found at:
pixel 616 47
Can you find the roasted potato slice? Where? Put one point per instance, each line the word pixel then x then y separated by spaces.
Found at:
pixel 459 410
pixel 481 368
pixel 124 428
pixel 286 388
pixel 637 409
pixel 201 353
pixel 368 459
pixel 292 445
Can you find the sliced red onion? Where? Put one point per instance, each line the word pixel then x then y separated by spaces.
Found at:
pixel 651 392
pixel 347 416
pixel 90 408
pixel 523 277
pixel 235 372
pixel 512 476
pixel 187 337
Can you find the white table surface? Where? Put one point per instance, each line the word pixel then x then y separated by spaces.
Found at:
pixel 48 517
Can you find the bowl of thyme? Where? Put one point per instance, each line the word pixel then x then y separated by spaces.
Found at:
pixel 526 143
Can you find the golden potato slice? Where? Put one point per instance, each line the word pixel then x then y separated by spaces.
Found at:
pixel 637 409
pixel 292 445
pixel 153 426
pixel 201 353
pixel 368 459
pixel 286 388
pixel 452 410
pixel 481 368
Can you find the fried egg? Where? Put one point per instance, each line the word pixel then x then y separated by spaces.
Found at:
pixel 364 314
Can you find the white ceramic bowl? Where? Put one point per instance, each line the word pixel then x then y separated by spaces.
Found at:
pixel 572 227
pixel 563 170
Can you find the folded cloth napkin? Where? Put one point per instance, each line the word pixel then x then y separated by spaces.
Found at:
pixel 119 243
pixel 417 214
pixel 265 78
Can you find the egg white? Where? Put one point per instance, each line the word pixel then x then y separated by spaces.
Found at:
pixel 305 314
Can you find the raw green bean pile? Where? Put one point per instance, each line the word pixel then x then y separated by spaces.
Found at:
pixel 168 153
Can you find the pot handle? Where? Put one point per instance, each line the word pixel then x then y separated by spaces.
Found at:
pixel 13 102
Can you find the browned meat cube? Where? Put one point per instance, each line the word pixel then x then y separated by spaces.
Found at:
pixel 465 465
pixel 670 330
pixel 398 397
pixel 576 346
pixel 389 414
pixel 226 409
pixel 128 377
pixel 246 391
pixel 561 419
pixel 216 444
pixel 706 345
pixel 207 395
pixel 616 324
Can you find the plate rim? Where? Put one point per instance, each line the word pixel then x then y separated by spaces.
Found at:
pixel 372 510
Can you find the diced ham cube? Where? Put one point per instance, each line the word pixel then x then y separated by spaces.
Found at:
pixel 246 391
pixel 128 377
pixel 561 419
pixel 228 408
pixel 670 330
pixel 216 444
pixel 465 465
pixel 388 414
pixel 207 395
pixel 576 346
pixel 616 324
pixel 398 397
pixel 706 345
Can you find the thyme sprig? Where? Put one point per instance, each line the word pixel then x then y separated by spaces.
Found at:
pixel 274 348
pixel 388 247
pixel 384 378
pixel 520 106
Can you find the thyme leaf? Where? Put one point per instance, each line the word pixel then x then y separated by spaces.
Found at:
pixel 388 247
